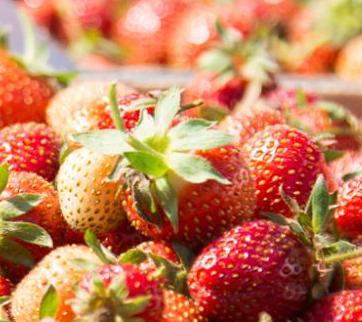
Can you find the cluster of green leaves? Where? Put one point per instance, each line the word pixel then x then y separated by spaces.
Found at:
pixel 154 152
pixel 13 230
pixel 257 64
pixel 315 228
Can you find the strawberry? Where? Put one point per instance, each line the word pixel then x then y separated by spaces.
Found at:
pixel 116 292
pixel 5 291
pixel 192 34
pixel 42 11
pixel 184 196
pixel 343 306
pixel 233 69
pixel 315 116
pixel 348 63
pixel 243 126
pixel 143 29
pixel 282 156
pixel 87 197
pixel 348 217
pixel 23 97
pixel 235 276
pixel 57 269
pixel 30 147
pixel 179 308
pixel 5 286
pixel 77 97
pixel 46 215
pixel 352 270
pixel 350 164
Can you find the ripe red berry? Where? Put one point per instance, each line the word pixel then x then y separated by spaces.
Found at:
pixel 30 147
pixel 256 267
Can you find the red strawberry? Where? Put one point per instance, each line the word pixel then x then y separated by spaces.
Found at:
pixel 143 29
pixel 23 97
pixel 349 163
pixel 236 276
pixel 246 124
pixel 348 216
pixel 280 156
pixel 46 214
pixel 206 86
pixel 344 306
pixel 193 31
pixel 179 308
pixel 315 116
pixel 5 286
pixel 120 291
pixel 353 270
pixel 42 11
pixel 195 204
pixel 207 209
pixel 30 147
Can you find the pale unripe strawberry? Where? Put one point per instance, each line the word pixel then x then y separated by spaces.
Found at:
pixel 88 199
pixel 57 269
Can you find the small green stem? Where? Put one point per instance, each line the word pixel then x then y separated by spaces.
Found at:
pixel 191 105
pixel 114 107
pixel 342 257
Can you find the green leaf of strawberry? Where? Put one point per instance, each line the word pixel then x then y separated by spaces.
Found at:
pixel 49 303
pixel 148 163
pixel 110 142
pixel 320 205
pixel 15 253
pixel 194 169
pixel 4 176
pixel 19 205
pixel 102 252
pixel 27 232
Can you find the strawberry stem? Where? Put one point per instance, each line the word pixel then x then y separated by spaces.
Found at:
pixel 114 107
pixel 344 256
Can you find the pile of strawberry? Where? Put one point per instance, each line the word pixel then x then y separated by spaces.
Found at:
pixel 117 205
pixel 306 37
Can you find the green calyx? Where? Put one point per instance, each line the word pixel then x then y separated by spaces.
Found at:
pixel 155 153
pixel 314 226
pixel 235 56
pixel 35 56
pixel 12 231
pixel 173 273
pixel 108 302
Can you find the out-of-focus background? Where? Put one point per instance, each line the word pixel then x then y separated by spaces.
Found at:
pixel 305 37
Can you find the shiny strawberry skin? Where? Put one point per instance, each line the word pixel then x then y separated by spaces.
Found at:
pixel 208 209
pixel 47 215
pixel 245 125
pixel 235 277
pixel 138 284
pixel 282 156
pixel 30 147
pixel 23 98
pixel 348 216
pixel 343 306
